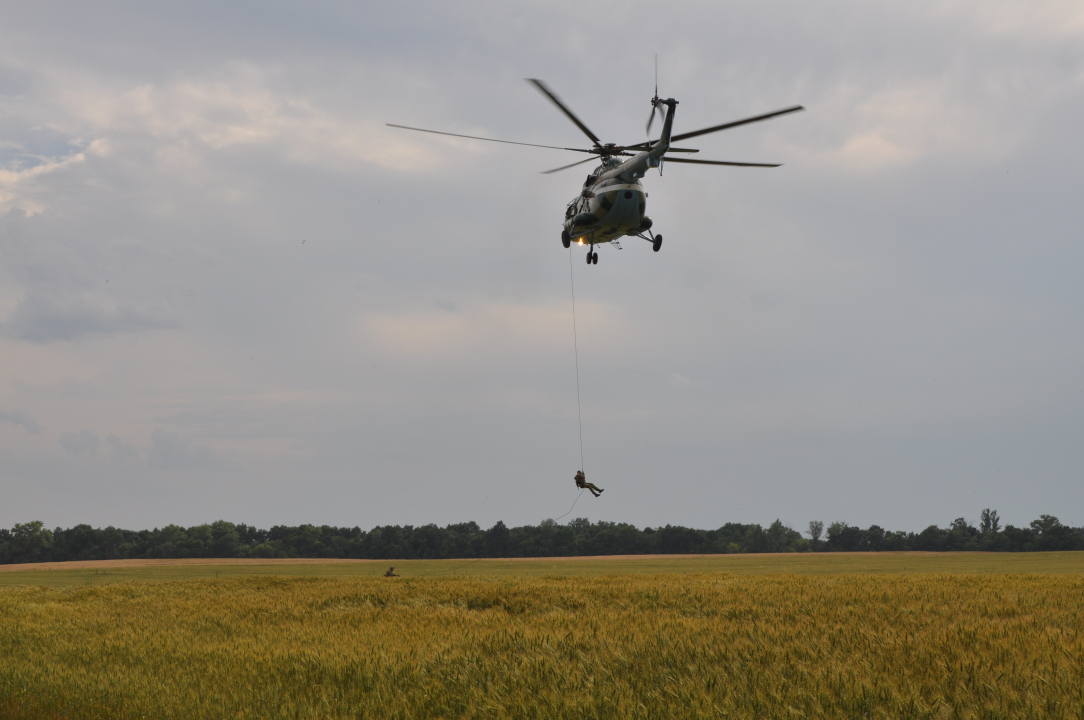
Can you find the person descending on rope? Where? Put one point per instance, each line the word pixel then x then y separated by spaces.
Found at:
pixel 581 482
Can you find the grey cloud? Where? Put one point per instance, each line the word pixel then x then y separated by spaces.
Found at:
pixel 122 452
pixel 172 451
pixel 888 328
pixel 42 319
pixel 36 146
pixel 84 442
pixel 16 417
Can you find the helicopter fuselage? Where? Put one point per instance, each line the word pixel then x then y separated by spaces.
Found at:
pixel 606 211
pixel 612 202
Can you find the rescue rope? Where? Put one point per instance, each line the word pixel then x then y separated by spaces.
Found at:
pixel 573 505
pixel 579 410
pixel 576 348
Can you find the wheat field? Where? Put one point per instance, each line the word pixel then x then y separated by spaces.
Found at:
pixel 97 572
pixel 613 646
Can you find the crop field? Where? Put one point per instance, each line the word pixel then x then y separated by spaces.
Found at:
pixel 112 571
pixel 552 642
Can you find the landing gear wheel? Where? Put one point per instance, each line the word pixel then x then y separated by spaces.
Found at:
pixel 657 243
pixel 589 254
pixel 594 258
pixel 566 239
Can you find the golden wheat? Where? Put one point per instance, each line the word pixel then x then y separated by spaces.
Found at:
pixel 708 645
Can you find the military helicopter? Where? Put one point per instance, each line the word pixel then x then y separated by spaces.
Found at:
pixel 612 202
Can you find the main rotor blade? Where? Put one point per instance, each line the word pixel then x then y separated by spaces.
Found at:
pixel 718 162
pixel 475 137
pixel 647 146
pixel 554 99
pixel 736 123
pixel 566 167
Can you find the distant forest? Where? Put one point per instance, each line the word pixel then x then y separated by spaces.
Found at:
pixel 33 542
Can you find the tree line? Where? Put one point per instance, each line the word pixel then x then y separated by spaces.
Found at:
pixel 33 542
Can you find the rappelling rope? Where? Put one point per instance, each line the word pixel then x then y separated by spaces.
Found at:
pixel 579 409
pixel 573 505
pixel 576 348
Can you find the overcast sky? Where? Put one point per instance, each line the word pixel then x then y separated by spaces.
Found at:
pixel 228 290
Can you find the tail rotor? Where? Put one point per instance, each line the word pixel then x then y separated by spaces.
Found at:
pixel 655 105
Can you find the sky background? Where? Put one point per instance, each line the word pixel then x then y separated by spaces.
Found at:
pixel 228 290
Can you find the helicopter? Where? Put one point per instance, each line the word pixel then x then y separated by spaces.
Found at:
pixel 612 201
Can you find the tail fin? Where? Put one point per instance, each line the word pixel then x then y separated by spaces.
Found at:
pixel 668 122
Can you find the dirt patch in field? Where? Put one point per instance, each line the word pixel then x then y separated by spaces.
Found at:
pixel 100 564
pixel 104 564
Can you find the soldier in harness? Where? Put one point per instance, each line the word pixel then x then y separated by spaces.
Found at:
pixel 581 482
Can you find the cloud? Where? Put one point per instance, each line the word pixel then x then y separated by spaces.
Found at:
pixel 122 452
pixel 473 333
pixel 20 185
pixel 679 380
pixel 84 442
pixel 180 128
pixel 916 120
pixel 42 319
pixel 1044 21
pixel 18 418
pixel 172 451
pixel 198 116
pixel 883 328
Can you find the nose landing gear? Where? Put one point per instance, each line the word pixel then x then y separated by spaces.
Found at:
pixel 592 257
